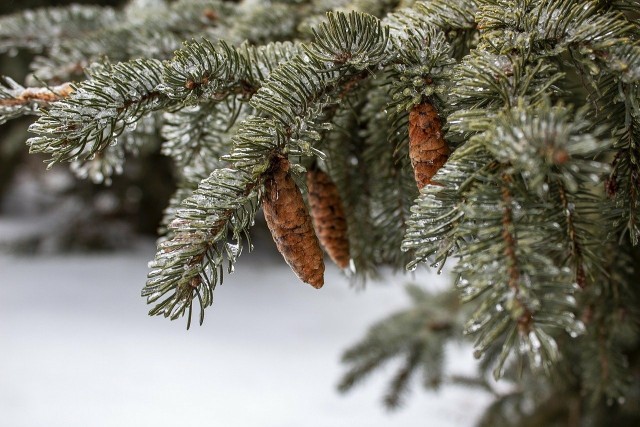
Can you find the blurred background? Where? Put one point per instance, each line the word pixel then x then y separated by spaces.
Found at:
pixel 79 350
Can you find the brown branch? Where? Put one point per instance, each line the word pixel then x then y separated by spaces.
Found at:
pixel 510 251
pixel 576 248
pixel 40 95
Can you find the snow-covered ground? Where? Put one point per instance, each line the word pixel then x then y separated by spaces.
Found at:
pixel 78 350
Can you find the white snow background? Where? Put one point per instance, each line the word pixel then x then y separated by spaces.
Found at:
pixel 77 349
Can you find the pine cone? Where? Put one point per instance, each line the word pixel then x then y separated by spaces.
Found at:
pixel 427 148
pixel 290 225
pixel 328 216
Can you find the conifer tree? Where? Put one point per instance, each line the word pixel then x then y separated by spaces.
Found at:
pixel 499 138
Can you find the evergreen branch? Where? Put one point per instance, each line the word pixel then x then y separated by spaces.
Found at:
pixel 456 20
pixel 487 86
pixel 524 316
pixel 278 21
pixel 220 80
pixel 301 94
pixel 624 181
pixel 433 231
pixel 289 95
pixel 201 71
pixel 293 92
pixel 488 81
pixel 545 20
pixel 449 16
pixel 400 382
pixel 548 144
pixel 354 40
pixel 417 334
pixel 487 236
pixel 190 263
pixel 345 148
pixel 197 136
pixel 38 29
pixel 613 323
pixel 423 71
pixel 152 33
pixel 16 100
pixel 522 292
pixel 575 243
pixel 88 122
pixel 528 300
pixel 389 181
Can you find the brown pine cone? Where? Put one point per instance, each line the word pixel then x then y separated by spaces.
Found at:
pixel 290 224
pixel 428 149
pixel 328 216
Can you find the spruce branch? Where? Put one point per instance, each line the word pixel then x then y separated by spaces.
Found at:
pixel 293 96
pixel 215 84
pixel 197 136
pixel 537 100
pixel 521 292
pixel 457 210
pixel 345 149
pixel 613 326
pixel 449 16
pixel 391 184
pixel 554 143
pixel 38 29
pixel 154 32
pixel 337 59
pixel 417 334
pixel 423 71
pixel 88 122
pixel 433 232
pixel 202 71
pixel 189 263
pixel 456 20
pixel 576 243
pixel 623 182
pixel 486 81
pixel 353 40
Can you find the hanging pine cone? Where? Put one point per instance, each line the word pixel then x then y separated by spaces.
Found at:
pixel 328 216
pixel 290 225
pixel 427 148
